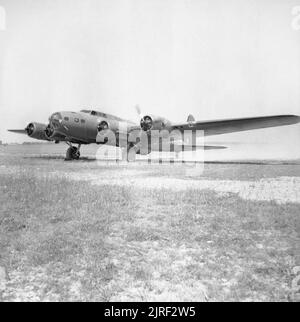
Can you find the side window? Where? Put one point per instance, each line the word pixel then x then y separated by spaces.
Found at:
pixel 76 120
pixel 82 121
pixel 66 118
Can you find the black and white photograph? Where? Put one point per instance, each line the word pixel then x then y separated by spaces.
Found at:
pixel 150 153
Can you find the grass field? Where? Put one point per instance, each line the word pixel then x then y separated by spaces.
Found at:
pixel 85 231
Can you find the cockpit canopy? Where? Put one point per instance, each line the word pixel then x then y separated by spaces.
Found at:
pixel 101 114
pixel 55 117
pixel 89 112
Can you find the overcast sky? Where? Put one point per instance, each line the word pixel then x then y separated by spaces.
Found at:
pixel 211 58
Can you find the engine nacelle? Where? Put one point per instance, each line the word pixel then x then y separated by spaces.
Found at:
pixel 106 132
pixel 108 125
pixel 37 131
pixel 151 122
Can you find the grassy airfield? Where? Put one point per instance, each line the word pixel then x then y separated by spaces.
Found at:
pixel 88 231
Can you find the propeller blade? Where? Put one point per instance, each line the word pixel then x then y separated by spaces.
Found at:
pixel 138 110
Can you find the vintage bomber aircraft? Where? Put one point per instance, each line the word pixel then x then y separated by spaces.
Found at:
pixel 83 128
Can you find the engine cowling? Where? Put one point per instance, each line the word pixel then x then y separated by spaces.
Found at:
pixel 151 122
pixel 107 132
pixel 49 131
pixel 108 125
pixel 37 131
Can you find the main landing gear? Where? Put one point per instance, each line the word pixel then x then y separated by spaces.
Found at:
pixel 73 152
pixel 129 154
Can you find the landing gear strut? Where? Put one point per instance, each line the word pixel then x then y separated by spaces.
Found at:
pixel 129 153
pixel 73 152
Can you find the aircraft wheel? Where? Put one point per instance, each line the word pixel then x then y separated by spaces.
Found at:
pixel 72 153
pixel 76 154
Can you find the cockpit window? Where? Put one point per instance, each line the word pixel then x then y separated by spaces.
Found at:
pixel 101 114
pixel 90 112
pixel 56 116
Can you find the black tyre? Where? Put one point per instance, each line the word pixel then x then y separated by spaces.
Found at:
pixel 72 153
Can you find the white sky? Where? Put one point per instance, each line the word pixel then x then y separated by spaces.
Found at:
pixel 211 58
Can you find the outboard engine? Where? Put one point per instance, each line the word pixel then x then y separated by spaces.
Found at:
pixel 37 131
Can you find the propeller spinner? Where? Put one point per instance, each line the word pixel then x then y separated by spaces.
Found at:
pixel 29 129
pixel 146 123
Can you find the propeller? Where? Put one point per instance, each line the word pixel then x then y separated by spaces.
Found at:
pixel 102 126
pixel 145 121
pixel 138 111
pixel 49 130
pixel 29 129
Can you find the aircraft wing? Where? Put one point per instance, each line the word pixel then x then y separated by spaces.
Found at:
pixel 215 127
pixel 18 131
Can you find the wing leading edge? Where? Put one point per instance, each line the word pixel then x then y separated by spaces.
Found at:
pixel 18 131
pixel 216 127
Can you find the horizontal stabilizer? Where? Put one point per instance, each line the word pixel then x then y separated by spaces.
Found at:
pixel 179 147
pixel 184 147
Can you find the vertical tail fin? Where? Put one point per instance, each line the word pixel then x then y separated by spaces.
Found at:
pixel 191 118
